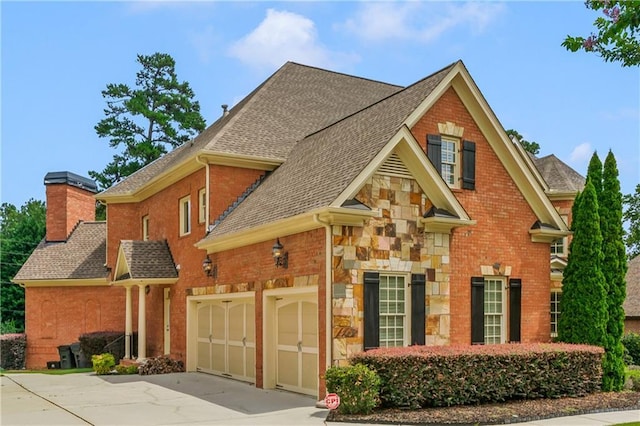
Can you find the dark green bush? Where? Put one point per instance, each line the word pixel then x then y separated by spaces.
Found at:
pixel 428 376
pixel 631 342
pixel 13 351
pixel 99 342
pixel 357 386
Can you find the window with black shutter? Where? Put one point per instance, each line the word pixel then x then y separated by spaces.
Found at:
pixel 389 311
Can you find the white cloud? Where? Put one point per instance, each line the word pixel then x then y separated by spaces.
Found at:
pixel 581 153
pixel 420 21
pixel 285 36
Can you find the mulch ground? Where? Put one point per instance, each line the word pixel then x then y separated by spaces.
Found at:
pixel 502 413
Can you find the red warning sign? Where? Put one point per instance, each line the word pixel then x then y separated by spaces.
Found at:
pixel 332 401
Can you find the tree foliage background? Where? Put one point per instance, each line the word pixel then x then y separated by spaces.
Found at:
pixel 631 217
pixel 532 147
pixel 21 230
pixel 617 31
pixel 145 122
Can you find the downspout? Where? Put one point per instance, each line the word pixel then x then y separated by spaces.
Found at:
pixel 206 192
pixel 328 290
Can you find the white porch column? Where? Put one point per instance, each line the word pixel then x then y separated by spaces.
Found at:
pixel 142 324
pixel 128 324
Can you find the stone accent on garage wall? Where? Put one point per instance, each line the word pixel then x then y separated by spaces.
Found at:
pixel 284 282
pixel 394 242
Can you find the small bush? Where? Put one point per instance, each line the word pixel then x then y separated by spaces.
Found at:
pixel 103 363
pixel 357 386
pixel 161 365
pixel 13 351
pixel 127 369
pixel 631 342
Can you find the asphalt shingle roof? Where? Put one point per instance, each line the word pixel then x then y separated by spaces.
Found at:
pixel 323 164
pixel 558 175
pixel 631 304
pixel 294 102
pixel 148 259
pixel 82 256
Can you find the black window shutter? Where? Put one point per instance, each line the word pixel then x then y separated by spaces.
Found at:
pixel 468 165
pixel 417 308
pixel 371 310
pixel 477 311
pixel 434 151
pixel 515 311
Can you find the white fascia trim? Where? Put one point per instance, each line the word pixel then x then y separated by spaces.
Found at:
pixel 443 225
pixel 241 161
pixel 143 282
pixel 547 235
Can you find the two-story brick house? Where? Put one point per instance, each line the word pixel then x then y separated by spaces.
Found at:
pixel 322 215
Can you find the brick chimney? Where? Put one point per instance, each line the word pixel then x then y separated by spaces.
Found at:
pixel 69 200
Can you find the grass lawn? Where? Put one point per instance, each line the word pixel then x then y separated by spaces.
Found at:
pixel 57 371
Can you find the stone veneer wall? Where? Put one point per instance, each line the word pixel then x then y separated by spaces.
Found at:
pixel 393 241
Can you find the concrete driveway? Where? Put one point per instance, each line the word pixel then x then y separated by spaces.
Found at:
pixel 167 399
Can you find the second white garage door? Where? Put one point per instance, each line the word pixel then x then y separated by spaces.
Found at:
pixel 297 344
pixel 226 338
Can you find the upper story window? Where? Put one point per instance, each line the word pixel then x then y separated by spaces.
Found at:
pixel 454 158
pixel 145 228
pixel 449 161
pixel 202 207
pixel 185 215
pixel 560 246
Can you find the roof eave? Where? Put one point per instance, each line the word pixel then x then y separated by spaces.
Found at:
pixel 67 282
pixel 129 282
pixel 547 235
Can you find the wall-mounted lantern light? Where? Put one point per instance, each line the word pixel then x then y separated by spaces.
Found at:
pixel 209 268
pixel 280 256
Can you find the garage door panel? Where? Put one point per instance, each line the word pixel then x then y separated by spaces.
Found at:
pixel 236 360
pixel 204 322
pixel 309 324
pixel 309 376
pixel 204 355
pixel 288 368
pixel 250 362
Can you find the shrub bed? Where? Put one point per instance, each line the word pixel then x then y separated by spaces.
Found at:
pixel 631 342
pixel 357 386
pixel 13 351
pixel 439 376
pixel 160 365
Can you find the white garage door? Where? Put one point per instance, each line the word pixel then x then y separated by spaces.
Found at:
pixel 226 338
pixel 297 345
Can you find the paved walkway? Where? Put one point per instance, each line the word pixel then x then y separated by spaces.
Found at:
pixel 180 399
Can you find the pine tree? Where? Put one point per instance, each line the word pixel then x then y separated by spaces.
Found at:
pixel 583 304
pixel 614 268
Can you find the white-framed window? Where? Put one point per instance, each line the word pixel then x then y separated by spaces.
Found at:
pixel 185 215
pixel 202 207
pixel 145 228
pixel 494 310
pixel 393 311
pixel 556 296
pixel 450 167
pixel 560 246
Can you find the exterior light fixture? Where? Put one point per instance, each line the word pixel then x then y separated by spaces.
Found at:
pixel 280 256
pixel 209 268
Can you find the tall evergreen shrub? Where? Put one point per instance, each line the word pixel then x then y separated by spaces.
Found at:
pixel 583 305
pixel 614 268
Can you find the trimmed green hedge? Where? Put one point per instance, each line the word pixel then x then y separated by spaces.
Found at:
pixel 436 376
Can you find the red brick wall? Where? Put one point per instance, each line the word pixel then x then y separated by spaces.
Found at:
pixel 66 205
pixel 59 315
pixel 500 235
pixel 124 222
pixel 248 268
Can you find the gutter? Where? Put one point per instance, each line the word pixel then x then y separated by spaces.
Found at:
pixel 328 290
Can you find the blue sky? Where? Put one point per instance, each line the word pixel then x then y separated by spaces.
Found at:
pixel 57 57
